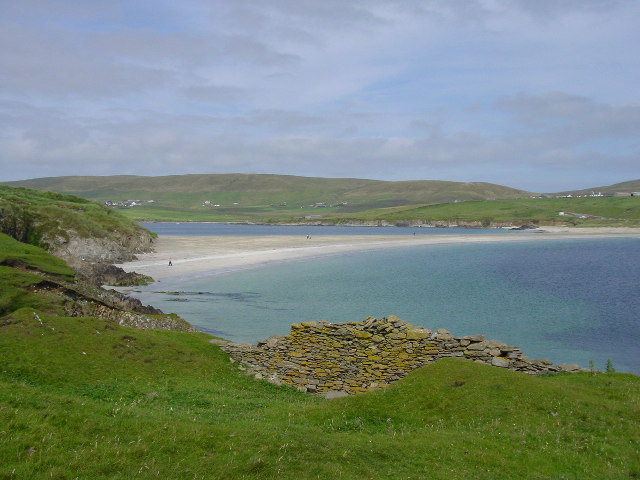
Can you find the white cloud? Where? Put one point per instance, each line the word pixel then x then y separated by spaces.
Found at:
pixel 512 91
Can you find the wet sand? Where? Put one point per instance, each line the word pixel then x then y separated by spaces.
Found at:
pixel 192 255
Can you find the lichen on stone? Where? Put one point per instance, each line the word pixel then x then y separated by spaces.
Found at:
pixel 324 358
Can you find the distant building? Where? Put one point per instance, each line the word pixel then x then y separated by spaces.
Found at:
pixel 126 203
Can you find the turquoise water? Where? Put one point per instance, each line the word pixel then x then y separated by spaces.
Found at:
pixel 569 301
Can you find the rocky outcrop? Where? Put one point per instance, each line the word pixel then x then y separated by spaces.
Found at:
pixel 117 248
pixel 88 236
pixel 79 300
pixel 128 319
pixel 108 274
pixel 352 357
pixel 93 258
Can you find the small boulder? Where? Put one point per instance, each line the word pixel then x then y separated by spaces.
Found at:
pixel 496 344
pixel 474 338
pixel 273 340
pixel 477 346
pixel 417 333
pixel 500 362
pixel 568 367
pixel 442 334
pixel 331 394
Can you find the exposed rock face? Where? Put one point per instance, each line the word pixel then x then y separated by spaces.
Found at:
pixel 87 253
pixel 107 274
pixel 352 357
pixel 112 306
pixel 92 258
pixel 129 319
pixel 117 248
pixel 89 238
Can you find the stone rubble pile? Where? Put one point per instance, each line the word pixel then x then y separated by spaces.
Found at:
pixel 352 357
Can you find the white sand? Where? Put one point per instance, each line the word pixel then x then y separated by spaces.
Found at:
pixel 199 255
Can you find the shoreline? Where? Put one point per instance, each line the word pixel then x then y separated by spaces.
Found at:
pixel 210 255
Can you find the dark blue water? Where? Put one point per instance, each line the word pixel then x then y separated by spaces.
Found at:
pixel 569 301
pixel 230 229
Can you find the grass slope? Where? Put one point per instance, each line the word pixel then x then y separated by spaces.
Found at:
pixel 261 197
pixel 624 211
pixel 22 267
pixel 630 186
pixel 37 217
pixel 84 398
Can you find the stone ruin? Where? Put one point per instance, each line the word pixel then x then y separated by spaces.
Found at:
pixel 348 358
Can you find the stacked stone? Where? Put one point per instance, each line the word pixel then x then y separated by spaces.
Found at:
pixel 87 308
pixel 352 357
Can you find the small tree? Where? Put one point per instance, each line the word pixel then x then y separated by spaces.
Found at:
pixel 609 368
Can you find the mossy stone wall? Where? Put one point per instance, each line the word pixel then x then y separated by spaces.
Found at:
pixel 321 357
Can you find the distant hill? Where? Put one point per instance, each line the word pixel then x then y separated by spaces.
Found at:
pixel 218 197
pixel 624 187
pixel 270 188
pixel 577 211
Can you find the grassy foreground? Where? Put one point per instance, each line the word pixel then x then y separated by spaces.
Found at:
pixel 84 398
pixel 80 398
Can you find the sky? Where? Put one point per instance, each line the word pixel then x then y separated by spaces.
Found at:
pixel 542 95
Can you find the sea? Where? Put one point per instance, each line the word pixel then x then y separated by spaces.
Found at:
pixel 570 301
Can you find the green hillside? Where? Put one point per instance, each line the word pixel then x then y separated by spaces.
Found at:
pixel 281 198
pixel 621 211
pixel 630 186
pixel 260 197
pixel 42 218
pixel 82 397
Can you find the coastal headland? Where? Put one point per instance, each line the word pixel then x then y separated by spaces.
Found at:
pixel 192 255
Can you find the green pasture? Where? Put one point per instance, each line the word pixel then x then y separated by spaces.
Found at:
pixel 85 398
pixel 623 211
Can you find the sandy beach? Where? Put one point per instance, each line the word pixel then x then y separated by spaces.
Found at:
pixel 192 255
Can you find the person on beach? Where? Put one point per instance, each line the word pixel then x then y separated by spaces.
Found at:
pixel 170 264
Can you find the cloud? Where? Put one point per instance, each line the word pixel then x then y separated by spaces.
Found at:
pixel 591 116
pixel 145 144
pixel 215 93
pixel 569 126
pixel 527 93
